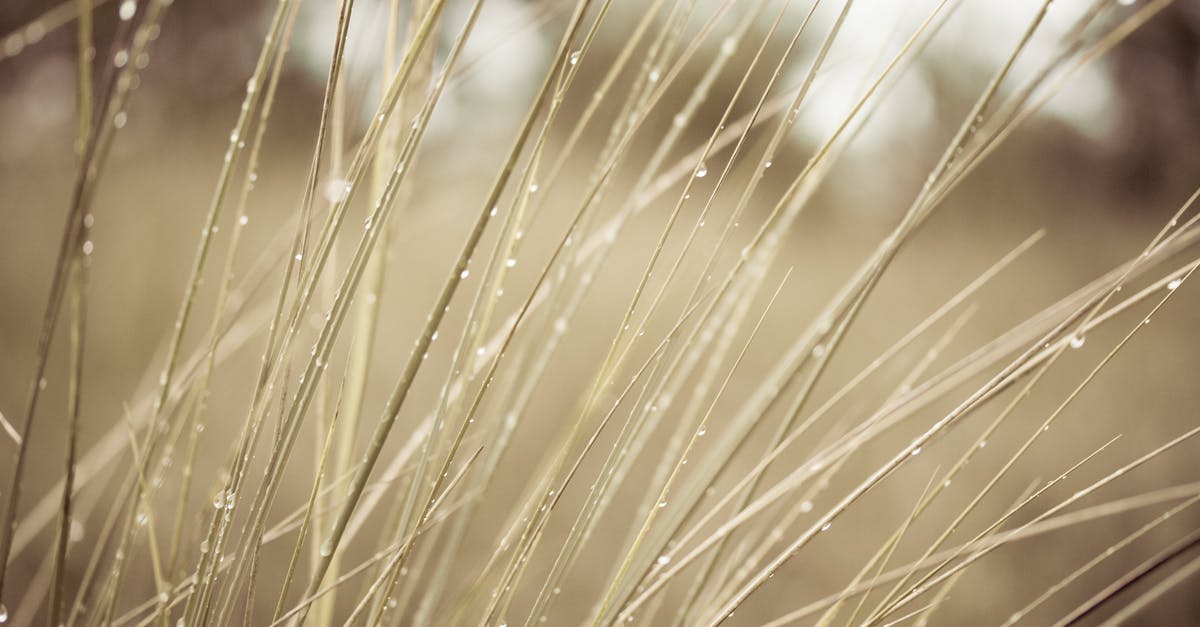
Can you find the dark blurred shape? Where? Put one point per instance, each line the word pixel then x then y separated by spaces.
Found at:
pixel 1157 73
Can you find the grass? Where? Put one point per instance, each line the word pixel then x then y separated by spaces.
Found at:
pixel 692 458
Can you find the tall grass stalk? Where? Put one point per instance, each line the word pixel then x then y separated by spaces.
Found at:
pixel 627 419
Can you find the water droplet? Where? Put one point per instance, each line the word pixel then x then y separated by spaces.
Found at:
pixel 464 274
pixel 654 75
pixel 119 119
pixel 663 560
pixel 574 58
pixel 533 187
pixel 127 9
pixel 1174 284
pixel 121 58
pixel 326 548
pixel 701 171
pixel 767 165
pixel 703 430
pixel 827 526
pixel 806 507
pixel 88 247
pixel 560 325
pixel 662 504
pixel 510 262
pixel 1076 341
pixel 3 613
pixel 916 451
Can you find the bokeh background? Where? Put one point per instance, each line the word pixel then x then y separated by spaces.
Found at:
pixel 1100 169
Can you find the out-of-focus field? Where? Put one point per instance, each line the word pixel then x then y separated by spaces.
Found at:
pixel 1100 187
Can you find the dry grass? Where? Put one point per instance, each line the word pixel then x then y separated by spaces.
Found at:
pixel 611 387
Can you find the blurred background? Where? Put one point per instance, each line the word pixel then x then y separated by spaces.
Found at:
pixel 1100 168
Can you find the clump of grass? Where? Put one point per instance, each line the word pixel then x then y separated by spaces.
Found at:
pixel 695 460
